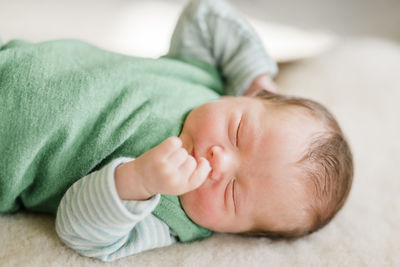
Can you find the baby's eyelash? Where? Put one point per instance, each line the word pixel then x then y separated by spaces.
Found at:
pixel 233 193
pixel 237 133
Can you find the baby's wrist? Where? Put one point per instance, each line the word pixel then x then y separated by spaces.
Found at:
pixel 261 82
pixel 128 183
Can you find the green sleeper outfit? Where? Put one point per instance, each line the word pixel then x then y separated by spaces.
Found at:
pixel 68 108
pixel 170 211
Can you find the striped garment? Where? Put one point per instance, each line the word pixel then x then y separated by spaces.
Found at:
pixel 214 32
pixel 91 218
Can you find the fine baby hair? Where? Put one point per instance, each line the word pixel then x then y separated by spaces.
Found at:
pixel 327 165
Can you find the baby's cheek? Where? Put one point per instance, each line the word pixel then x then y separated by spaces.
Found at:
pixel 207 200
pixel 214 202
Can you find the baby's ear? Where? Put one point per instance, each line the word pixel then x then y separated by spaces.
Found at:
pixel 262 82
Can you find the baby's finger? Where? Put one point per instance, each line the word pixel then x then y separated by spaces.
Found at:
pixel 178 157
pixel 200 174
pixel 188 167
pixel 169 145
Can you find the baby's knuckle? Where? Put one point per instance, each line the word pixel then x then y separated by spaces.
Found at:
pixel 161 168
pixel 191 163
pixel 173 183
pixel 167 171
pixel 159 160
pixel 183 152
pixel 158 164
pixel 173 141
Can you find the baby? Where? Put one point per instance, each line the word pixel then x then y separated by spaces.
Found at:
pixel 270 164
pixel 257 164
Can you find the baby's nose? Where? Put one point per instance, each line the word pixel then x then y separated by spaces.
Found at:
pixel 222 162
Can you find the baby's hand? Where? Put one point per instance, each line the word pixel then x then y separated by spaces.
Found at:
pixel 262 82
pixel 165 169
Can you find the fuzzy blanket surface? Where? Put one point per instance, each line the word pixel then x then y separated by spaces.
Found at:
pixel 359 81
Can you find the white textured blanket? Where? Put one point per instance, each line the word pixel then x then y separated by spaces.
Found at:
pixel 359 81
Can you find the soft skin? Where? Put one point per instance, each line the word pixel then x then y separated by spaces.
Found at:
pixel 252 148
pixel 233 166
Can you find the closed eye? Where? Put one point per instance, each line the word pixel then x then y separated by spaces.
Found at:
pixel 237 132
pixel 233 193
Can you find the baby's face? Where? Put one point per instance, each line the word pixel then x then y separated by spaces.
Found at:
pixel 252 148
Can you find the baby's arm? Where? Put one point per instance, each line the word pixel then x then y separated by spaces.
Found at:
pixel 214 32
pixel 95 222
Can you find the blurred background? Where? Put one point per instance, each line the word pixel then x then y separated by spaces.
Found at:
pixel 290 29
pixel 357 79
pixel 379 18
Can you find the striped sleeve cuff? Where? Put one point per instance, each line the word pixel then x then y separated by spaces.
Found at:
pixel 240 51
pixel 214 31
pixel 91 211
pixel 125 210
pixel 92 220
pixel 247 66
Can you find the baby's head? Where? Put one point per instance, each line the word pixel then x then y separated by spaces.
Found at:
pixel 281 166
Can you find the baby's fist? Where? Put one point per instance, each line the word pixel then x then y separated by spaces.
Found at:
pixel 169 169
